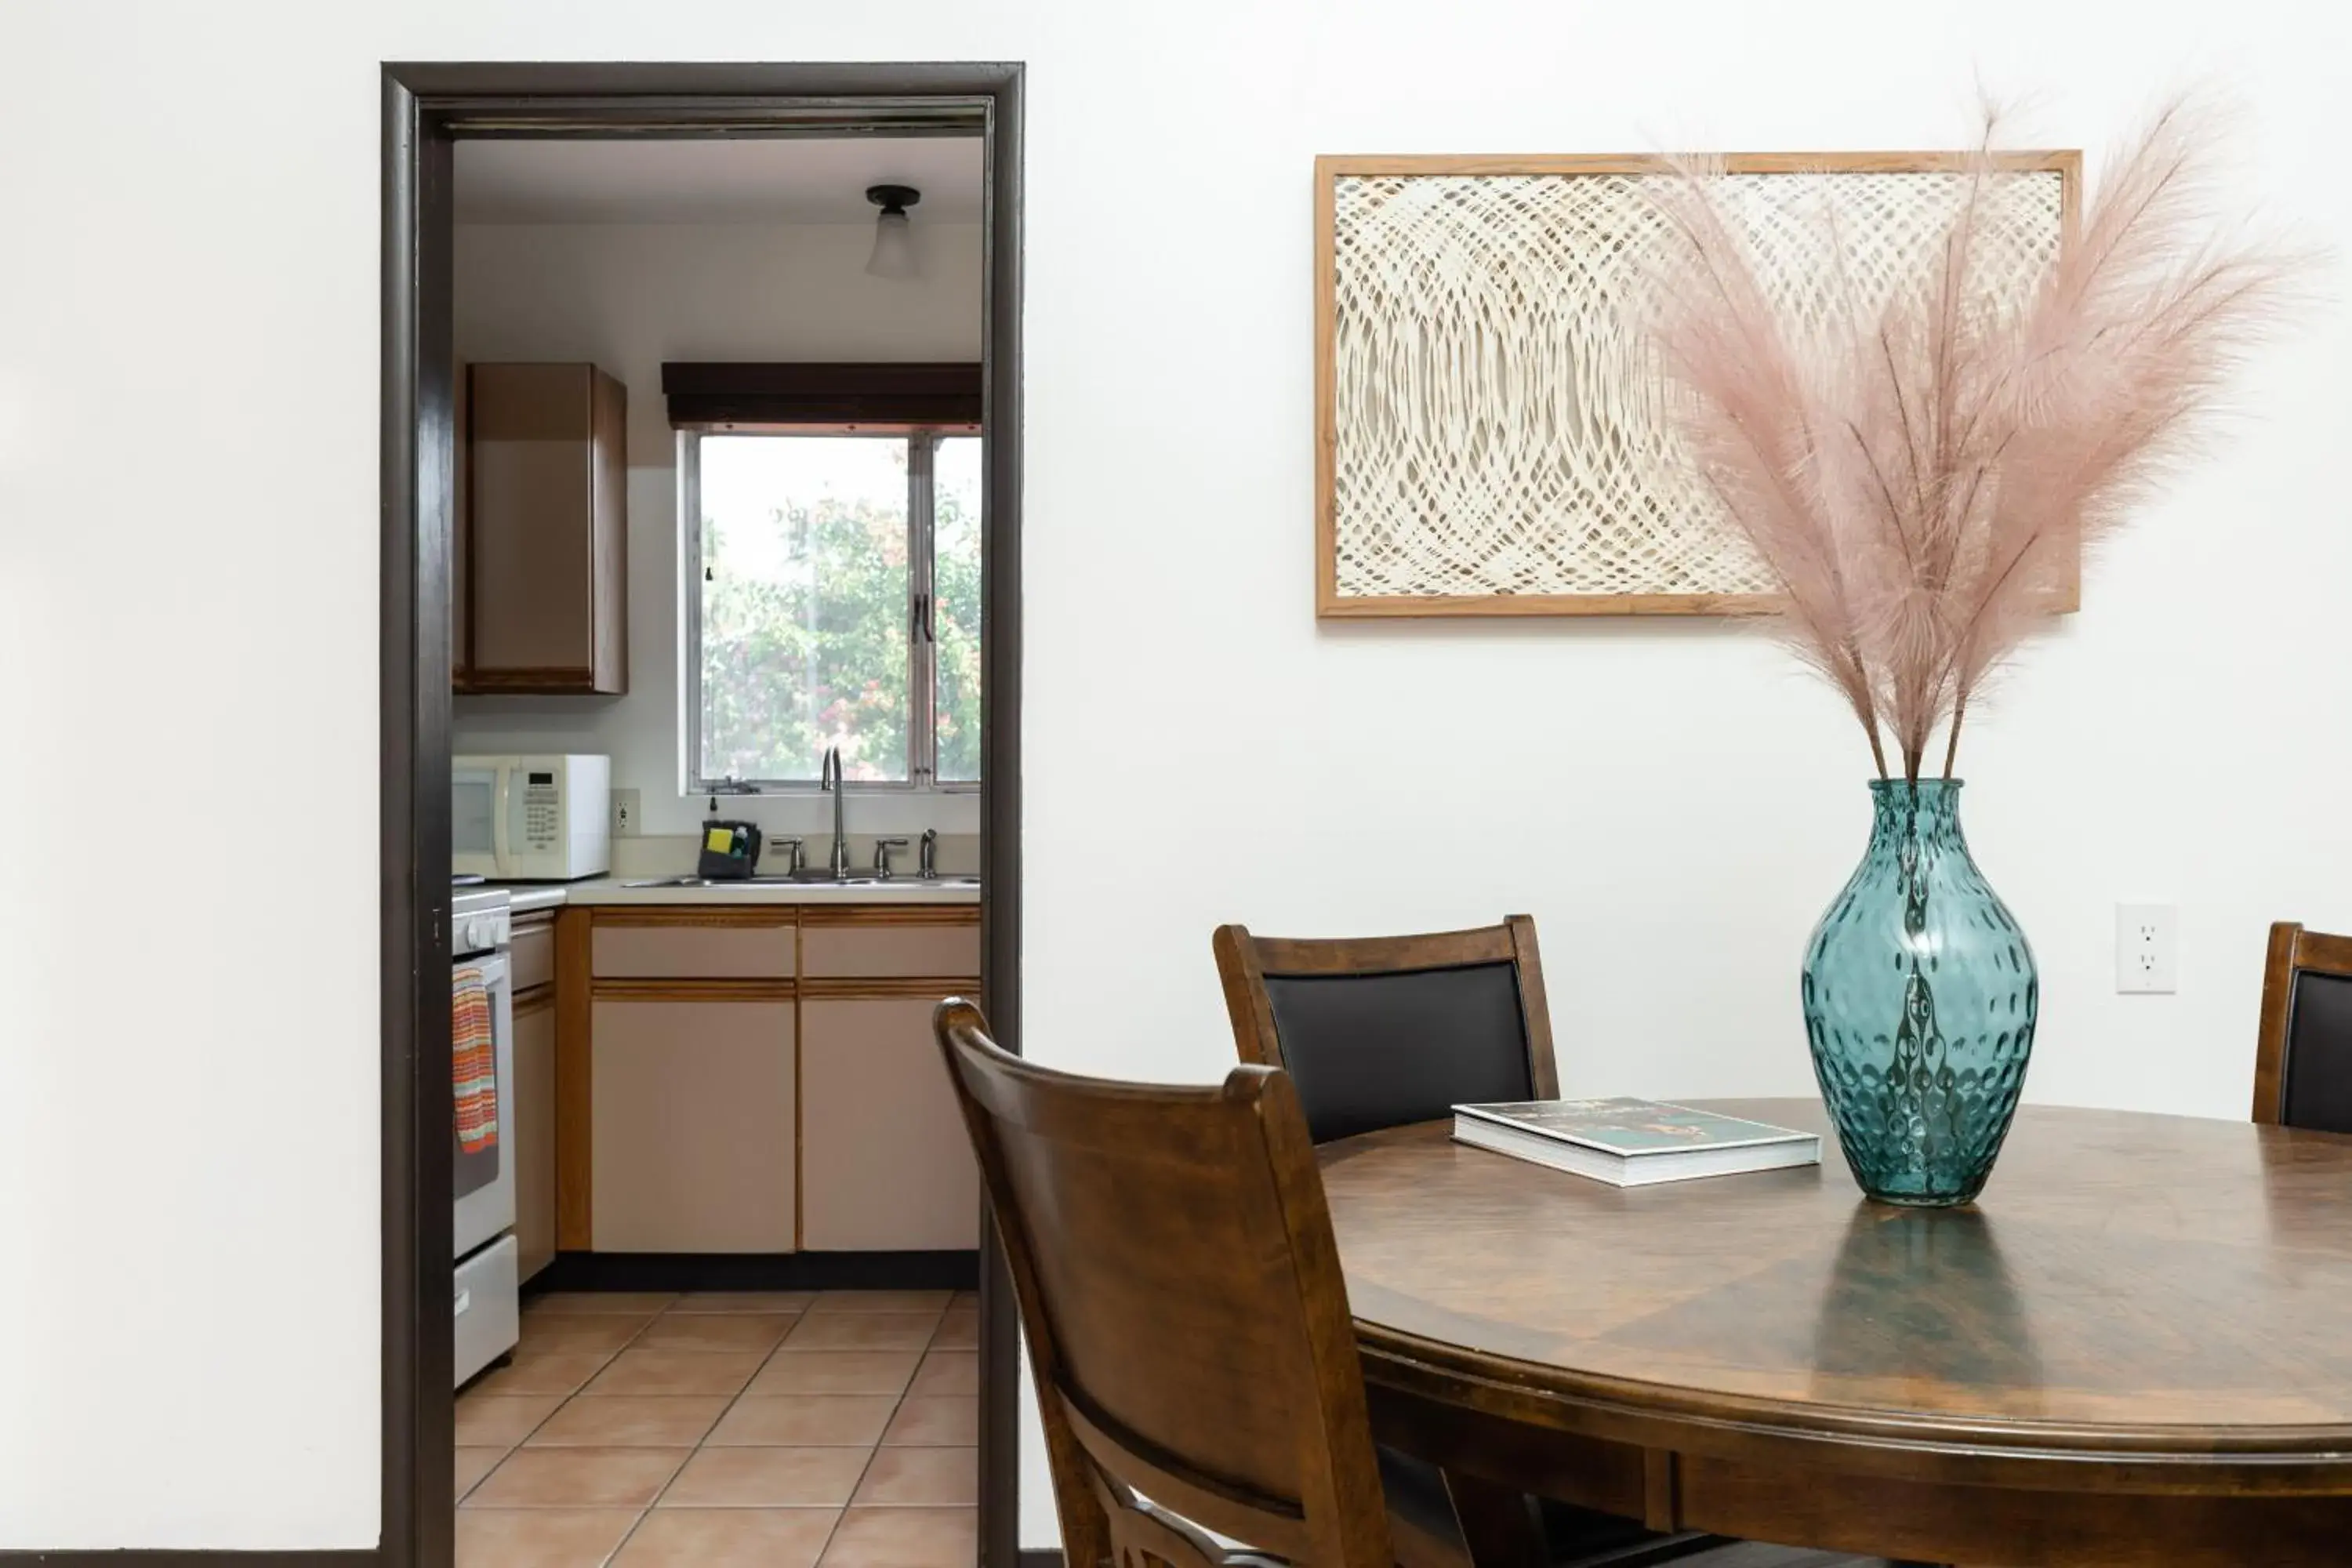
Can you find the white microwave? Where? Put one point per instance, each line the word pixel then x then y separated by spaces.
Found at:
pixel 530 819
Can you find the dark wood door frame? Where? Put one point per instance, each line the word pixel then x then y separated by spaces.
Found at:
pixel 426 106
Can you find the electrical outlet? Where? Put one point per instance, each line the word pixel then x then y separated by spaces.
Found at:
pixel 624 814
pixel 2148 947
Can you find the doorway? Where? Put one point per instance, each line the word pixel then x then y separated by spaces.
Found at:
pixel 428 108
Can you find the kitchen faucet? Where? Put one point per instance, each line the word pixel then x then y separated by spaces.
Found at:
pixel 829 778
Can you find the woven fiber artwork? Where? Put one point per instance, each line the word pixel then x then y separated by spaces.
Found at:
pixel 1493 438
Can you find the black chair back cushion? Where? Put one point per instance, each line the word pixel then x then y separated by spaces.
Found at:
pixel 1367 1051
pixel 2318 1093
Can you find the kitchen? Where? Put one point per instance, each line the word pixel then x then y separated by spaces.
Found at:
pixel 715 840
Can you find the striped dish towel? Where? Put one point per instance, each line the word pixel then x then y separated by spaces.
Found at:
pixel 474 1069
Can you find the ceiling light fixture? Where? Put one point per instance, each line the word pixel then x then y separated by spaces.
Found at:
pixel 894 241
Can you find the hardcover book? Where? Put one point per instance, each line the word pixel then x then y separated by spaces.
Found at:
pixel 1633 1142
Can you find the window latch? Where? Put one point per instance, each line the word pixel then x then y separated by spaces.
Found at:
pixel 922 623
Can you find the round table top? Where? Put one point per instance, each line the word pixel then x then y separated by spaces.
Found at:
pixel 2148 1284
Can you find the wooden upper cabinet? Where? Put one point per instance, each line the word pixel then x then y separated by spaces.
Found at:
pixel 545 530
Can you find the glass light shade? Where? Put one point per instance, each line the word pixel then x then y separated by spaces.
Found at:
pixel 894 248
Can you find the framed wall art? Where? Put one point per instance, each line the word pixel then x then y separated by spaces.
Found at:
pixel 1489 433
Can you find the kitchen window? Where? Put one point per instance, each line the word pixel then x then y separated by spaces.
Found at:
pixel 833 599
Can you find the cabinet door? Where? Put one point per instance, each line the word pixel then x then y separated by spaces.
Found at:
pixel 548 529
pixel 886 1163
pixel 534 1130
pixel 693 1124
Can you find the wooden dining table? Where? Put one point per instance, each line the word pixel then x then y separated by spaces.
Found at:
pixel 2134 1348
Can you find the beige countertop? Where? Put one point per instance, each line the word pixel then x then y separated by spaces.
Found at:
pixel 605 890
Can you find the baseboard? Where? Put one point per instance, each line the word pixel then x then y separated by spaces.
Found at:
pixel 758 1271
pixel 1041 1557
pixel 363 1557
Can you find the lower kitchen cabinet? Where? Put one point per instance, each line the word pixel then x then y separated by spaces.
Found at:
pixel 886 1163
pixel 534 1130
pixel 693 1119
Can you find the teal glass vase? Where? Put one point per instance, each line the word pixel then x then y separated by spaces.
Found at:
pixel 1920 995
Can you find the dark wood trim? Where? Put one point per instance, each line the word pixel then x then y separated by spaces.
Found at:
pixel 749 393
pixel 531 680
pixel 889 914
pixel 1039 1557
pixel 1000 793
pixel 418 1500
pixel 426 106
pixel 950 1270
pixel 692 990
pixel 880 987
pixel 690 914
pixel 575 1079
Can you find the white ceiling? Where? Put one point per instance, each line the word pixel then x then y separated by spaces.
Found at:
pixel 779 179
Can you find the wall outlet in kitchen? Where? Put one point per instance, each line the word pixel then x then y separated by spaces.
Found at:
pixel 2148 947
pixel 624 814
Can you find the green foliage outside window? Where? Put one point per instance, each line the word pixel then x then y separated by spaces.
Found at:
pixel 805 622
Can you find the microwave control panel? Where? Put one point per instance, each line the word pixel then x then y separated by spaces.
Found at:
pixel 542 822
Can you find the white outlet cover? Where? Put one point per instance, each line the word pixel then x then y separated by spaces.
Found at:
pixel 2147 949
pixel 626 820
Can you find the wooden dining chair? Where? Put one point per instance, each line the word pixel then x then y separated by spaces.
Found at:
pixel 1187 1322
pixel 1381 1031
pixel 2303 1063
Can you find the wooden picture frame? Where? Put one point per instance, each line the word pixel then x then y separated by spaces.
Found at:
pixel 1346 360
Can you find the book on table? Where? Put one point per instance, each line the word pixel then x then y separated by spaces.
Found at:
pixel 1633 1142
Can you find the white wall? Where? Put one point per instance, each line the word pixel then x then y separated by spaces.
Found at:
pixel 630 296
pixel 191 591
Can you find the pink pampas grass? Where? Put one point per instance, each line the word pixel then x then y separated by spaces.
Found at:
pixel 1919 477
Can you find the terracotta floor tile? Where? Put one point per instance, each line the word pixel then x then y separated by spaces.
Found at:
pixel 582 1478
pixel 543 1371
pixel 473 1464
pixel 501 1420
pixel 540 1537
pixel 675 1371
pixel 919 1478
pixel 881 1300
pixel 862 1331
pixel 946 1372
pixel 836 1372
pixel 744 1301
pixel 905 1538
pixel 728 1538
pixel 936 1421
pixel 643 1303
pixel 806 1420
pixel 767 1477
pixel 607 1332
pixel 717 1331
pixel 959 1330
pixel 630 1421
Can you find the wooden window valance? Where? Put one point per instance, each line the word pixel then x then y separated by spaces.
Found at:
pixel 804 392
